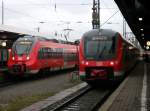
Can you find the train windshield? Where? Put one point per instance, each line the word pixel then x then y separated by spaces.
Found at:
pixel 22 47
pixel 100 48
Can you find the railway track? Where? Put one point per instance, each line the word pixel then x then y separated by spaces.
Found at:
pixel 87 99
pixel 12 81
pixel 8 83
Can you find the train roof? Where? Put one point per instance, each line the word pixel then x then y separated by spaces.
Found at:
pixel 95 32
pixel 33 38
pixel 105 32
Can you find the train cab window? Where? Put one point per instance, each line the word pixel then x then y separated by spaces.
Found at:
pixel 100 48
pixel 22 47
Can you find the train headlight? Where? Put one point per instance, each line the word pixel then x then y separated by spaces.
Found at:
pixel 13 58
pixel 9 50
pixel 4 44
pixel 82 62
pixel 112 63
pixel 28 57
pixel 87 63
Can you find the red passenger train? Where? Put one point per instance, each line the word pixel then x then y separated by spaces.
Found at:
pixel 32 54
pixel 105 55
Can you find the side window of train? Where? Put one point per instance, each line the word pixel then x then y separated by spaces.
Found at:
pixel 43 56
pixel 45 51
pixel 61 52
pixel 40 53
pixel 128 51
pixel 49 52
pixel 65 56
pixel 70 56
pixel 124 52
pixel 54 53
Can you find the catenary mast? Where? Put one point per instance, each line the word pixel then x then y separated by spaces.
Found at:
pixel 96 14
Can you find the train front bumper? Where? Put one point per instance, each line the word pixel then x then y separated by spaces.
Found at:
pixel 22 69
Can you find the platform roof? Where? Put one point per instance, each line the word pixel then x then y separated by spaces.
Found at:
pixel 12 33
pixel 137 15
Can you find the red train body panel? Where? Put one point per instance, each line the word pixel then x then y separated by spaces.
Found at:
pixel 105 55
pixel 31 55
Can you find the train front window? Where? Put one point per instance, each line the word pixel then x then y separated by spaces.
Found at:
pixel 100 48
pixel 23 47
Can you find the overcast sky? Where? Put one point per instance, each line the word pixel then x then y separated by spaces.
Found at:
pixel 56 15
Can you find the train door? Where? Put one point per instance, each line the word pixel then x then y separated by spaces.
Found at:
pixel 40 58
pixel 125 56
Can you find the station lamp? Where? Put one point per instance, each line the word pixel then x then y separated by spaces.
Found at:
pixel 148 43
pixel 130 47
pixel 141 29
pixel 147 47
pixel 4 43
pixel 140 18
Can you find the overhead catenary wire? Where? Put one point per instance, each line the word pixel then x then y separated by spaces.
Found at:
pixel 43 5
pixel 21 13
pixel 109 18
pixel 53 4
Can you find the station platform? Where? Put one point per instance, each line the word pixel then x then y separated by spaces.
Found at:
pixel 133 93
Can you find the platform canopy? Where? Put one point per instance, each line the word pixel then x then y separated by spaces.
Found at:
pixel 12 33
pixel 137 15
pixel 8 34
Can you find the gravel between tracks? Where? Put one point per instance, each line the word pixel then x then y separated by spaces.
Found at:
pixel 52 84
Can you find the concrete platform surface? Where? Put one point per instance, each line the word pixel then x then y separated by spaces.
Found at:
pixel 133 93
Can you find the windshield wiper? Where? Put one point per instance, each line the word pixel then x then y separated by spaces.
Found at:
pixel 101 53
pixel 27 50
